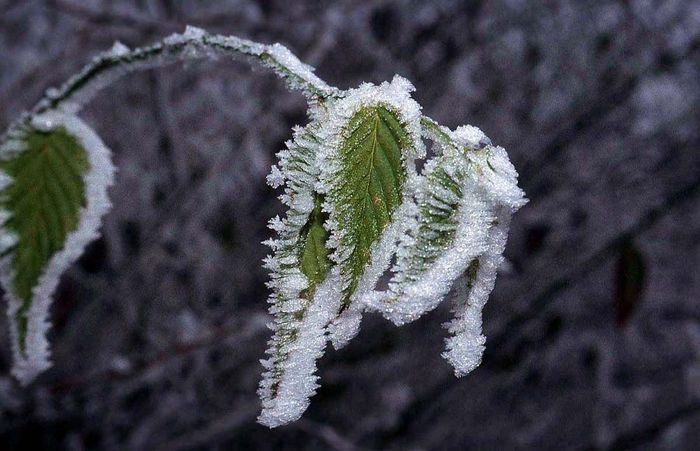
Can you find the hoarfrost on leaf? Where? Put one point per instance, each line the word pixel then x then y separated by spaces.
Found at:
pixel 370 143
pixel 285 396
pixel 355 203
pixel 302 291
pixel 459 224
pixel 53 209
pixel 466 345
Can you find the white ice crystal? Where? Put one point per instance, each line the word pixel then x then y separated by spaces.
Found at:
pixel 471 136
pixel 98 178
pixel 118 49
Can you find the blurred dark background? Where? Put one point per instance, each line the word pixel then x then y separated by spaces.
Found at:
pixel 593 328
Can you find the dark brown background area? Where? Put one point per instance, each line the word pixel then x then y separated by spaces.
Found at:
pixel 593 329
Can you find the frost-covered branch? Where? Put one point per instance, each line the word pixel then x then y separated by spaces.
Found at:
pixel 355 203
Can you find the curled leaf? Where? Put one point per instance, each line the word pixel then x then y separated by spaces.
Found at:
pixel 299 266
pixel 449 230
pixel 465 199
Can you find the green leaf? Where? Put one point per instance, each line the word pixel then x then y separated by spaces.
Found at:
pixel 314 254
pixel 44 203
pixel 368 187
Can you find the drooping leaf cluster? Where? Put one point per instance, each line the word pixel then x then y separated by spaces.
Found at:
pixel 355 204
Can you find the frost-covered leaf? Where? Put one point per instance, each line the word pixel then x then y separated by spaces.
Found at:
pixel 370 145
pixel 302 302
pixel 465 347
pixel 366 143
pixel 55 174
pixel 450 230
pixel 368 186
pixel 460 224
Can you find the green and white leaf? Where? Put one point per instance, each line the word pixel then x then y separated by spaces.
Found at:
pixel 303 301
pixel 367 169
pixel 450 230
pixel 350 166
pixel 55 174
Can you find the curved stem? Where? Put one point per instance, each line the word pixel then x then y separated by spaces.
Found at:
pixel 192 44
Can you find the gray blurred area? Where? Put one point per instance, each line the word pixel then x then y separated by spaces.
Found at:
pixel 593 328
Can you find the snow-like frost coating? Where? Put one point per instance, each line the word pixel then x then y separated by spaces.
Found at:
pixel 477 179
pixel 288 380
pixel 298 381
pixel 407 302
pixel 99 177
pixel 465 347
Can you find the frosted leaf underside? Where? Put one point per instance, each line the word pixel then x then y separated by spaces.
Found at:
pixel 464 203
pixel 299 265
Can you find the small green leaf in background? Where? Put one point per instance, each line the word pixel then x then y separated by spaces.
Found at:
pixel 44 202
pixel 369 185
